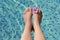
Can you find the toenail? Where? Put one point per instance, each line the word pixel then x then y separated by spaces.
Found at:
pixel 35 9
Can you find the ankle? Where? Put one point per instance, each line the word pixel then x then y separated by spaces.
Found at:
pixel 36 26
pixel 36 23
pixel 27 30
pixel 28 27
pixel 28 24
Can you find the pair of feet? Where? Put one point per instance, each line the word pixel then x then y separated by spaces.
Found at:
pixel 28 18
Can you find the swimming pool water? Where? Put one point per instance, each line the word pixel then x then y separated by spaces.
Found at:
pixel 12 22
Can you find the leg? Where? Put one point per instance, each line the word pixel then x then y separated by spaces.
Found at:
pixel 26 34
pixel 37 29
pixel 28 25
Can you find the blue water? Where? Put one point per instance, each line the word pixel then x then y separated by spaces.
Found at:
pixel 12 22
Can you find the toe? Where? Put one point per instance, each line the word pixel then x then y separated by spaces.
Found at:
pixel 30 9
pixel 39 12
pixel 26 10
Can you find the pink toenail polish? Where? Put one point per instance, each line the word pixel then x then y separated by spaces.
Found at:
pixel 35 9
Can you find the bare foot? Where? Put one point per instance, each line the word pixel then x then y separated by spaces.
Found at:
pixel 37 17
pixel 28 18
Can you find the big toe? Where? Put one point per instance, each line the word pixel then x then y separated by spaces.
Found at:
pixel 28 10
pixel 40 12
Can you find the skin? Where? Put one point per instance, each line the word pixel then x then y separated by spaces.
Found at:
pixel 38 34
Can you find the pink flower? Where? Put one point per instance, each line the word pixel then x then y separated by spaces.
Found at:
pixel 35 9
